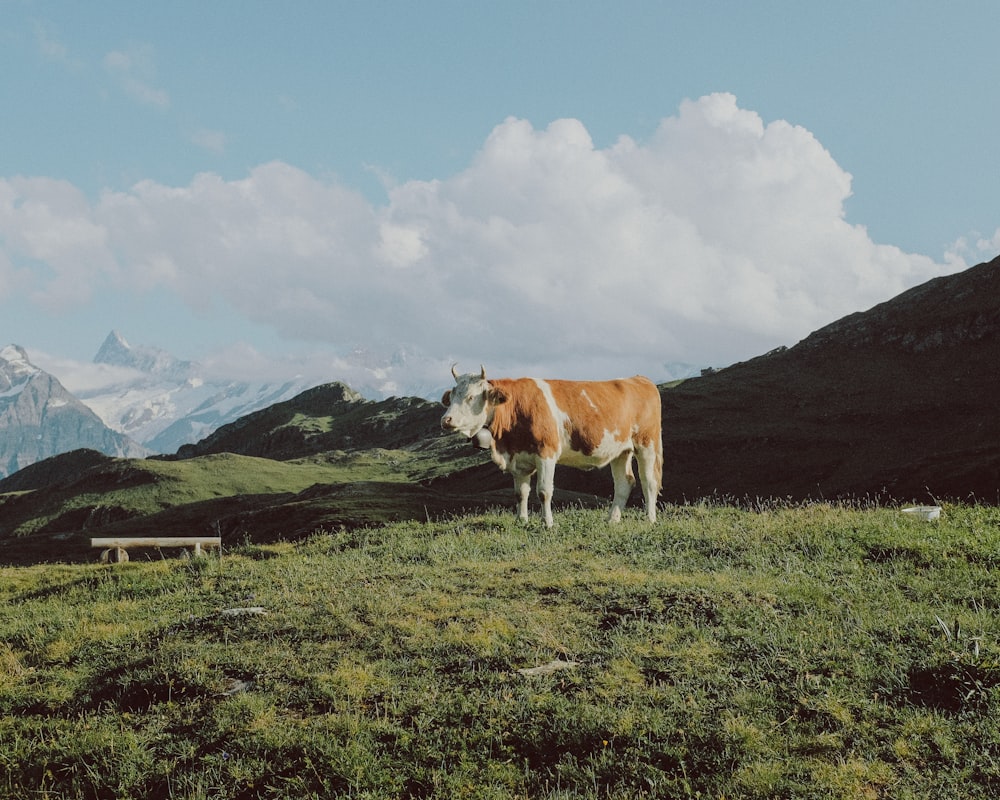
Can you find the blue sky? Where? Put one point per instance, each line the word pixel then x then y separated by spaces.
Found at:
pixel 574 187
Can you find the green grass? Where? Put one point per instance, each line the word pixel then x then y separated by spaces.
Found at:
pixel 131 489
pixel 804 652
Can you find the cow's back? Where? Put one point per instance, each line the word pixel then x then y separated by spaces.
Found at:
pixel 626 409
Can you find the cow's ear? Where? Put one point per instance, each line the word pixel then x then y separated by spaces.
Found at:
pixel 446 398
pixel 496 396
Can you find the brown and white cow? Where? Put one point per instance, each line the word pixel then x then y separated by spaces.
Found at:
pixel 530 425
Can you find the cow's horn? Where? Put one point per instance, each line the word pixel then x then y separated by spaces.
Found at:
pixel 454 372
pixel 482 372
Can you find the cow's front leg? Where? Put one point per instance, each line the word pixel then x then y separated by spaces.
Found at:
pixel 546 486
pixel 522 489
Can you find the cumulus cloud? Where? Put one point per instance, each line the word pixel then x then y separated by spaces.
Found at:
pixel 718 238
pixel 52 241
pixel 980 247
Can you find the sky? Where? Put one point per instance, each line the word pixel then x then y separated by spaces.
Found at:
pixel 577 189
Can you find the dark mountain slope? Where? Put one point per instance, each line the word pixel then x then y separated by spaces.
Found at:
pixel 900 402
pixel 327 417
pixel 54 470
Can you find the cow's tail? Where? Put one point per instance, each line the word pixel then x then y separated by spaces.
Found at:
pixel 659 462
pixel 658 438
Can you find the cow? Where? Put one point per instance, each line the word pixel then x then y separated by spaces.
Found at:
pixel 530 425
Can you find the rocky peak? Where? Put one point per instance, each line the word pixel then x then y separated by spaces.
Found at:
pixel 15 368
pixel 116 351
pixel 39 418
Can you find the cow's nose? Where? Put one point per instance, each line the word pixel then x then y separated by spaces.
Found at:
pixel 446 423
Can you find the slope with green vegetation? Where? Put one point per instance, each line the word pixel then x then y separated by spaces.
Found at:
pixel 800 652
pixel 896 403
pixel 238 497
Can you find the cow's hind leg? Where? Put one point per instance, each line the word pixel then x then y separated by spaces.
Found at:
pixel 621 471
pixel 651 475
pixel 546 487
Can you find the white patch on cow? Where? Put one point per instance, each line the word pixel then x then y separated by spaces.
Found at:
pixel 563 423
pixel 611 445
pixel 610 448
pixel 586 397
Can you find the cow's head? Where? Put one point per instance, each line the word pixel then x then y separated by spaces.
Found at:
pixel 470 403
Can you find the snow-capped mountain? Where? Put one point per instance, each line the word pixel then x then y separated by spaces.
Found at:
pixel 15 371
pixel 164 402
pixel 39 418
pixel 116 352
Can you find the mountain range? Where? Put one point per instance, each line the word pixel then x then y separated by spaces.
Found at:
pixel 39 418
pixel 163 402
pixel 894 404
pixel 145 401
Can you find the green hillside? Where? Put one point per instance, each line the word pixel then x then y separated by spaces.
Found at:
pixel 807 652
pixel 896 404
pixel 397 465
pixel 327 417
pixel 236 496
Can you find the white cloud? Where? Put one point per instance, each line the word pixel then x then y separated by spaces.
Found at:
pixel 213 141
pixel 983 247
pixel 399 245
pixel 134 71
pixel 48 226
pixel 82 378
pixel 51 48
pixel 719 238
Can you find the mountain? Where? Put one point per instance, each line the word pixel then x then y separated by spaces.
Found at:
pixel 321 419
pixel 897 402
pixel 164 402
pixel 39 418
pixel 119 353
pixel 894 404
pixel 357 462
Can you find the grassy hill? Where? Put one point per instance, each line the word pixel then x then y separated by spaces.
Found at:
pixel 275 474
pixel 328 417
pixel 236 496
pixel 372 631
pixel 811 652
pixel 895 404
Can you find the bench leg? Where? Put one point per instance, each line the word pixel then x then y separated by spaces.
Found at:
pixel 114 555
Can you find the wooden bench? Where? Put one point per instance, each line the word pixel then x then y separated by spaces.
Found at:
pixel 115 549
